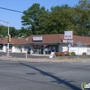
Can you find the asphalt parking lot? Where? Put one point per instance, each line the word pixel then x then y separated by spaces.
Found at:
pixel 41 57
pixel 23 55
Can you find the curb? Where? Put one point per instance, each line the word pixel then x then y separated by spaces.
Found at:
pixel 45 59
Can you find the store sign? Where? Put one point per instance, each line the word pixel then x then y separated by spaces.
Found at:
pixel 68 41
pixel 37 38
pixel 68 34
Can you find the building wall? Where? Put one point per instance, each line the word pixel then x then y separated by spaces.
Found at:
pixel 61 48
pixel 19 48
pixel 88 51
pixel 64 47
pixel 80 50
pixel 77 50
pixel 4 48
pixel 13 48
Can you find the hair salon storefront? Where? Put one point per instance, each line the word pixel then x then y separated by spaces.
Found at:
pixel 38 46
pixel 44 48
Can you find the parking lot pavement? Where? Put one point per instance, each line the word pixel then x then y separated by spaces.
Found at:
pixel 23 55
pixel 45 59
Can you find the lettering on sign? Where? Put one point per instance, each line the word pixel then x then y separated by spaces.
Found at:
pixel 37 38
pixel 68 34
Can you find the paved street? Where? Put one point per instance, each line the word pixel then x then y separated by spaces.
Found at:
pixel 21 75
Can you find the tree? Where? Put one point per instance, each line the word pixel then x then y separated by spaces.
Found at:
pixel 3 30
pixel 13 32
pixel 31 17
pixel 25 32
pixel 83 17
pixel 61 19
pixel 58 19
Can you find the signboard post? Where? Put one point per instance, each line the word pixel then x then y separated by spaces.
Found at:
pixel 68 35
pixel 79 44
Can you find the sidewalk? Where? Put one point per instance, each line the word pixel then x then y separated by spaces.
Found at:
pixel 46 59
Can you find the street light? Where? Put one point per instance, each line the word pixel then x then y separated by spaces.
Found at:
pixel 8 35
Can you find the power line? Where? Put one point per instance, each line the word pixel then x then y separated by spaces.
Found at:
pixel 11 10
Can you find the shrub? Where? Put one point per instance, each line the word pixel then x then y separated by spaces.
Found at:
pixel 57 53
pixel 61 53
pixel 84 53
pixel 73 53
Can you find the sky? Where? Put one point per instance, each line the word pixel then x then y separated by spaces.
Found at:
pixel 14 18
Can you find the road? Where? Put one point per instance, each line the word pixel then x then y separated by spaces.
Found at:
pixel 21 75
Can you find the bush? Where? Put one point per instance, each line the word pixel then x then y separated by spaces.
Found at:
pixel 84 53
pixel 66 53
pixel 58 53
pixel 73 53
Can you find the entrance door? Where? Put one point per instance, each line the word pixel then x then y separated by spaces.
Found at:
pixel 38 49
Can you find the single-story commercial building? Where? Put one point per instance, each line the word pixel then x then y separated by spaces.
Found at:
pixel 44 44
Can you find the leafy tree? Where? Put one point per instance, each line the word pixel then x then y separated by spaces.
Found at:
pixel 42 21
pixel 32 16
pixel 3 30
pixel 61 19
pixel 83 17
pixel 24 32
pixel 13 32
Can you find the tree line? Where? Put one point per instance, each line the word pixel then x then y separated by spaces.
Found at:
pixel 37 20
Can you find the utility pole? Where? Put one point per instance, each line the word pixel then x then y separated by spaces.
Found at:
pixel 8 37
pixel 8 41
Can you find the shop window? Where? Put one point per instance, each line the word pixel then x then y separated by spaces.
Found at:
pixel 10 46
pixel 19 47
pixel 1 46
pixel 35 46
pixel 26 47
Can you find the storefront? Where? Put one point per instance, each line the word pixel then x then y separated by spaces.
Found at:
pixel 49 48
pixel 39 46
pixel 44 48
pixel 38 49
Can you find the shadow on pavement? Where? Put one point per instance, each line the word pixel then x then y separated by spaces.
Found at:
pixel 73 87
